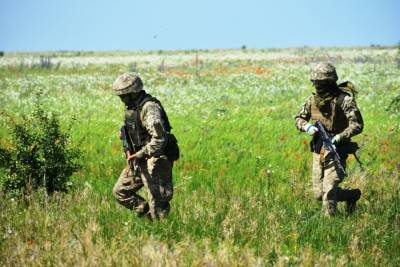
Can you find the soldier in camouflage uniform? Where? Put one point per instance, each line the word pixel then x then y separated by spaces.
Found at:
pixel 339 114
pixel 148 129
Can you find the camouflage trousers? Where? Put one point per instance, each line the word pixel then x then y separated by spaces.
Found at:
pixel 326 182
pixel 155 174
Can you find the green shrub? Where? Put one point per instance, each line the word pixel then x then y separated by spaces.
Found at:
pixel 394 105
pixel 38 154
pixel 45 62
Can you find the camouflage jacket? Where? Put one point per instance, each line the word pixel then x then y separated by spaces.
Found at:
pixel 350 125
pixel 152 121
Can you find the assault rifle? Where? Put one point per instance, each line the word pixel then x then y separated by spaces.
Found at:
pixel 327 143
pixel 126 142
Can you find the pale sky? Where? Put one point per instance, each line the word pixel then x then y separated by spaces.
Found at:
pixel 40 25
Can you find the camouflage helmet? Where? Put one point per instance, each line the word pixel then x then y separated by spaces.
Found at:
pixel 127 83
pixel 324 72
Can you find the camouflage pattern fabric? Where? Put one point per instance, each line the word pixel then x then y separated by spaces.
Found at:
pixel 151 118
pixel 325 181
pixel 156 175
pixel 151 168
pixel 126 188
pixel 127 83
pixel 350 110
pixel 325 178
pixel 324 71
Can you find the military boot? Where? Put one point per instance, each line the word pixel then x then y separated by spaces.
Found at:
pixel 330 208
pixel 164 209
pixel 351 196
pixel 330 203
pixel 142 209
pixel 351 201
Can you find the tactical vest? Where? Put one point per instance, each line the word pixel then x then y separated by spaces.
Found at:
pixel 137 132
pixel 332 116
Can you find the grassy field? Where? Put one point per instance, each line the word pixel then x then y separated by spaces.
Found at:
pixel 242 186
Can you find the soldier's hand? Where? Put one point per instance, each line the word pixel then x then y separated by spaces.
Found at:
pixel 310 129
pixel 131 157
pixel 336 139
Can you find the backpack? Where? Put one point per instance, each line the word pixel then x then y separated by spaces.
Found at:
pixel 348 88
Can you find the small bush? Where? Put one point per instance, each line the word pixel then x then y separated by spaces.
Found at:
pixel 44 62
pixel 161 67
pixel 133 67
pixel 1 54
pixel 38 155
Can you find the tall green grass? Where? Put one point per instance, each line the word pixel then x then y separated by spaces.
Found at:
pixel 242 186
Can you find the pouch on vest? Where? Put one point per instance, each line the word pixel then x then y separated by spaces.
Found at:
pixel 316 144
pixel 172 148
pixel 347 148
